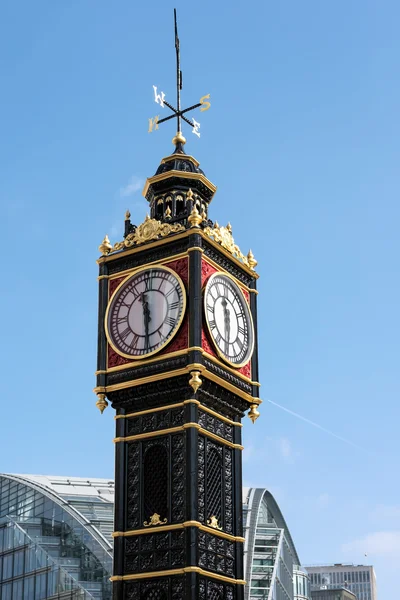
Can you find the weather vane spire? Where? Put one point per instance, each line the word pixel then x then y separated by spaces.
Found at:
pixel 177 113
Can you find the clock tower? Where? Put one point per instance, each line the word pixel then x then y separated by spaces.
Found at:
pixel 177 360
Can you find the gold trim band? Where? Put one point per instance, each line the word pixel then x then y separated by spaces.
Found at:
pixel 177 405
pixel 178 572
pixel 194 366
pixel 217 532
pixel 147 361
pixel 151 434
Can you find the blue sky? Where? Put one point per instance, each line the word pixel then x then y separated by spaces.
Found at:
pixel 302 140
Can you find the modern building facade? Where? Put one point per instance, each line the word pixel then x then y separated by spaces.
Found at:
pixel 271 562
pixel 333 594
pixel 55 538
pixel 56 542
pixel 359 579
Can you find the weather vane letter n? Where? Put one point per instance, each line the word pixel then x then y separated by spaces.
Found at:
pixel 177 113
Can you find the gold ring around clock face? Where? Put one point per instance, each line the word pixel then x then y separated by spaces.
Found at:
pixel 145 312
pixel 229 320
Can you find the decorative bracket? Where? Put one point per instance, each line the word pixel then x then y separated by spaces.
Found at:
pixel 155 520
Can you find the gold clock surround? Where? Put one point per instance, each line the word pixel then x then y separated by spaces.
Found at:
pixel 177 326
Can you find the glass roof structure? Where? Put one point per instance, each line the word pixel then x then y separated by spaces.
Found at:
pixel 55 538
pixel 271 562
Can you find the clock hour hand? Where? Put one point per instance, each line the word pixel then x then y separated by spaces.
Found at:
pixel 146 318
pixel 227 323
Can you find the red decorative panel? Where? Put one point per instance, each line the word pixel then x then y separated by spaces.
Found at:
pixel 246 294
pixel 246 370
pixel 206 271
pixel 115 360
pixel 180 267
pixel 113 284
pixel 205 344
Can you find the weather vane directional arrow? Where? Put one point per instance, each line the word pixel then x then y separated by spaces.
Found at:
pixel 177 113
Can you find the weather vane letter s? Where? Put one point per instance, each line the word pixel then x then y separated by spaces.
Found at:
pixel 159 98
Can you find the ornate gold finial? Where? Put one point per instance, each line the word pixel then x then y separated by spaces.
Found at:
pixel 195 380
pixel 195 218
pixel 105 246
pixel 101 402
pixel 253 413
pixel 229 228
pixel 203 215
pixel 251 260
pixel 127 215
pixel 213 522
pixel 154 520
pixel 189 194
pixel 179 139
pixel 147 218
pixel 168 213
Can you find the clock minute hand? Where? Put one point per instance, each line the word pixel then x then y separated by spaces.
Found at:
pixel 146 318
pixel 227 323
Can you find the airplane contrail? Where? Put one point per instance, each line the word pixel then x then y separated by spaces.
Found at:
pixel 338 437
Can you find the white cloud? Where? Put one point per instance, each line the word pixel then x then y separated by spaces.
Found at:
pixel 380 543
pixel 135 184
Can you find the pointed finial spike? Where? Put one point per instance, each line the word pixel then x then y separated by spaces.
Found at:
pixel 127 215
pixel 105 246
pixel 251 260
pixel 195 218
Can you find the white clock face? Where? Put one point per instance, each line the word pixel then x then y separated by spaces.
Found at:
pixel 229 320
pixel 145 312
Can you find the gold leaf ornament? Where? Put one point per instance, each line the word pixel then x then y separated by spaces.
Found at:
pixel 150 229
pixel 154 520
pixel 223 236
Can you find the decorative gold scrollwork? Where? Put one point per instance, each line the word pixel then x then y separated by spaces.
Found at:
pixel 150 229
pixel 223 236
pixel 155 520
pixel 213 522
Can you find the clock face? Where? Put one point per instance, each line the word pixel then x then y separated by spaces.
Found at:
pixel 229 320
pixel 145 312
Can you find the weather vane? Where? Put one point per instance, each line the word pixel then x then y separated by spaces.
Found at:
pixel 177 113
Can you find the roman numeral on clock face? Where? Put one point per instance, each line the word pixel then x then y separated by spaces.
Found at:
pixel 170 321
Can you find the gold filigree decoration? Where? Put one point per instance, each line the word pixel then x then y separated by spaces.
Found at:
pixel 223 236
pixel 150 229
pixel 154 520
pixel 213 522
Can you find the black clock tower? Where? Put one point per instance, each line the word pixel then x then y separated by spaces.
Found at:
pixel 177 359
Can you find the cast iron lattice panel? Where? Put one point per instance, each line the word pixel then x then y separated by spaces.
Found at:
pixel 209 590
pixel 216 554
pixel 155 421
pixel 214 482
pixel 154 551
pixel 155 594
pixel 215 425
pixel 156 482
